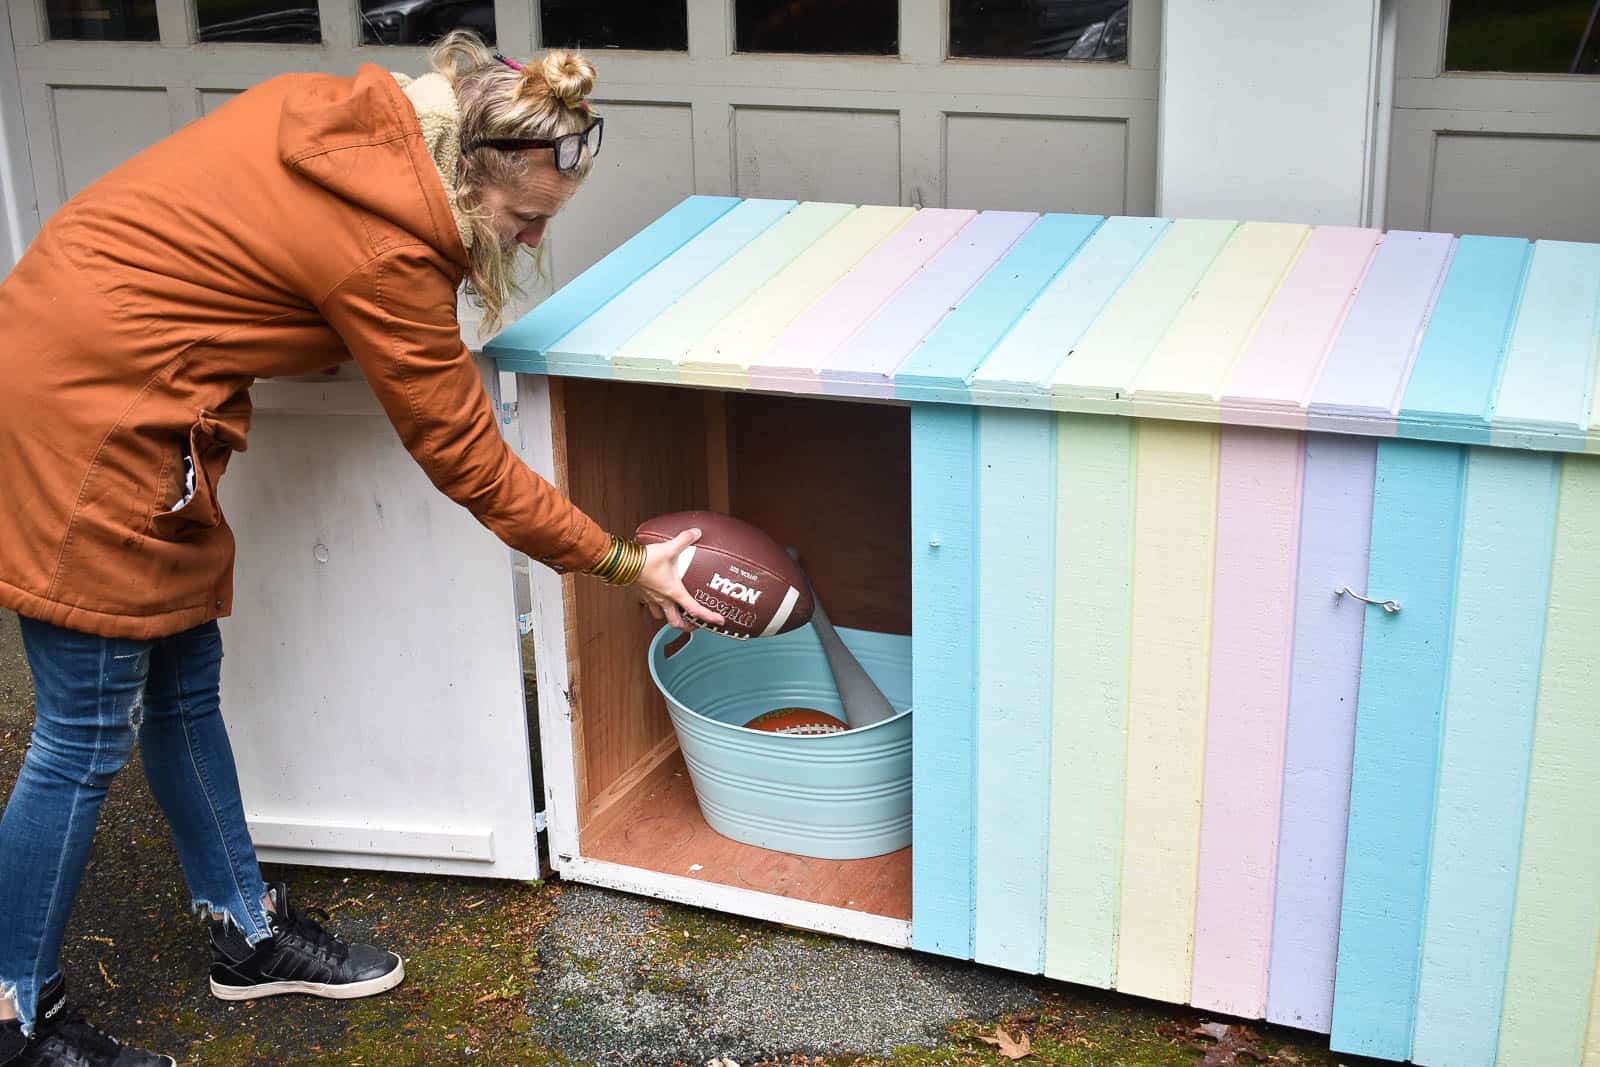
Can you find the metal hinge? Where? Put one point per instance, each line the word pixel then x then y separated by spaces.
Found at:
pixel 508 396
pixel 525 623
pixel 540 823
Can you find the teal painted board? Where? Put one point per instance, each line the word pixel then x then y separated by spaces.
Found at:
pixel 944 664
pixel 1550 368
pixel 938 369
pixel 1416 513
pixel 1019 370
pixel 521 347
pixel 1458 364
pixel 587 349
pixel 1016 570
pixel 1507 535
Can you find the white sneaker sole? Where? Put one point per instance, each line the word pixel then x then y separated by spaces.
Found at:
pixel 344 991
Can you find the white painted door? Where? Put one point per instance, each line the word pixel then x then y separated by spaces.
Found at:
pixel 1497 118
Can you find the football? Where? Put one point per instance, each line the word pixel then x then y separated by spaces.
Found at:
pixel 737 571
pixel 797 722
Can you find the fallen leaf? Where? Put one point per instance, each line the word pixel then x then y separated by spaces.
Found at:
pixel 1011 1049
pixel 1233 1043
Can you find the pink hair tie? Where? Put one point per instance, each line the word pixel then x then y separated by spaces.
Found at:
pixel 507 62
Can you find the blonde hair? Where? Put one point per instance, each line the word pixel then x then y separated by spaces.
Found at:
pixel 544 99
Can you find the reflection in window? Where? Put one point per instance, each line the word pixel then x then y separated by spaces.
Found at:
pixel 833 26
pixel 1040 29
pixel 1524 36
pixel 424 21
pixel 102 20
pixel 273 21
pixel 655 25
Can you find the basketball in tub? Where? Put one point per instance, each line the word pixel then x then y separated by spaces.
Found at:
pixel 797 736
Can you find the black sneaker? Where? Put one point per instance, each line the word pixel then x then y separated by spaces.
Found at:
pixel 61 1038
pixel 299 957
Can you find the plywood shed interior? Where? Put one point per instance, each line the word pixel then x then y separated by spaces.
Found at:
pixel 833 480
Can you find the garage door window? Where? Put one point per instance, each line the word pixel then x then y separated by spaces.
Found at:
pixel 102 20
pixel 1040 29
pixel 647 25
pixel 422 22
pixel 270 21
pixel 1524 36
pixel 841 27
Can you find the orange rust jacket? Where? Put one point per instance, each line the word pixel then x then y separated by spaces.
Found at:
pixel 298 226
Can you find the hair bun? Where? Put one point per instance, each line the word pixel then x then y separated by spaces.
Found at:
pixel 569 76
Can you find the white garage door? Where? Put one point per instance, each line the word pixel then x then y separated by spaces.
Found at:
pixel 417 756
pixel 1497 118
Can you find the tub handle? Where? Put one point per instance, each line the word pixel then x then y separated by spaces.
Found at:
pixel 1390 606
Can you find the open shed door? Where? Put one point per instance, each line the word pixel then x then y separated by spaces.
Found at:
pixel 372 679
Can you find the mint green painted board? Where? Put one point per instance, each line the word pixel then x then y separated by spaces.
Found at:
pixel 653 354
pixel 1089 699
pixel 1098 375
pixel 586 350
pixel 1556 924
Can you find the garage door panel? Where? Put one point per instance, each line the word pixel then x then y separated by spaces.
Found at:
pixel 845 155
pixel 1515 185
pixel 98 127
pixel 1073 164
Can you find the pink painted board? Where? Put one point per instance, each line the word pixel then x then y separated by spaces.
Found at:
pixel 1273 379
pixel 1365 375
pixel 792 362
pixel 1252 620
pixel 865 364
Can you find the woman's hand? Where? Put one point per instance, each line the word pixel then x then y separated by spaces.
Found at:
pixel 664 593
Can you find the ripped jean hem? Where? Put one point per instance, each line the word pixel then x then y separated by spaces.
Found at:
pixel 11 991
pixel 254 932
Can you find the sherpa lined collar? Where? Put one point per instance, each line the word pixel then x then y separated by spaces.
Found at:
pixel 440 117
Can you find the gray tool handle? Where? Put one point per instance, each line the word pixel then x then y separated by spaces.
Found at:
pixel 862 700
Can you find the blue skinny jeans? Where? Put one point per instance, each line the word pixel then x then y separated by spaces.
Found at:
pixel 94 697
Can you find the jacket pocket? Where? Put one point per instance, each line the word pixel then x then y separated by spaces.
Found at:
pixel 211 445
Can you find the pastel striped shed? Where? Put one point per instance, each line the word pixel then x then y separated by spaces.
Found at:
pixel 792 361
pixel 865 364
pixel 1019 369
pixel 1365 374
pixel 588 348
pixel 1548 382
pixel 939 367
pixel 1271 383
pixel 723 356
pixel 657 350
pixel 1185 371
pixel 1098 375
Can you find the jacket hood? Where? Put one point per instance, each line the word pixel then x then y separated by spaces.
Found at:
pixel 360 139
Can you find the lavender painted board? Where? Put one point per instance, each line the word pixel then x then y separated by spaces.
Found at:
pixel 1258 518
pixel 791 363
pixel 938 369
pixel 865 364
pixel 1324 677
pixel 1272 381
pixel 1549 374
pixel 1370 362
pixel 1458 364
pixel 1019 370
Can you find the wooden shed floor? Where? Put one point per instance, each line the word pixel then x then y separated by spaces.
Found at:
pixel 661 829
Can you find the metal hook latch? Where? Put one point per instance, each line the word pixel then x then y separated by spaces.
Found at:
pixel 1391 606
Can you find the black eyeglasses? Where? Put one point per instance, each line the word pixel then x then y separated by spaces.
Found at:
pixel 568 147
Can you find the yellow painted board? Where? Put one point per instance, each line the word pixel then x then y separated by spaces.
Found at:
pixel 1191 361
pixel 1168 683
pixel 661 346
pixel 1111 353
pixel 724 355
